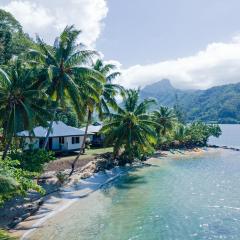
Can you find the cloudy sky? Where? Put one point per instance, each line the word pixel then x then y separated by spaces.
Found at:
pixel 196 44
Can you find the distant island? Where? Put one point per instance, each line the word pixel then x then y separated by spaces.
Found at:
pixel 220 104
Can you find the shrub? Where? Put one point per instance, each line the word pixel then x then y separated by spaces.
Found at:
pixel 15 181
pixel 62 177
pixel 4 235
pixel 33 160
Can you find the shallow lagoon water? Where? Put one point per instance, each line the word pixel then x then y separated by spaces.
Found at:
pixel 189 198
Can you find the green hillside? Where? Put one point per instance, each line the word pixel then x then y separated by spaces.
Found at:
pixel 217 104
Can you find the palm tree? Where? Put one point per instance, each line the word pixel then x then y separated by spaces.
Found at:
pixel 68 76
pixel 166 119
pixel 131 127
pixel 180 133
pixel 102 102
pixel 22 101
pixel 109 90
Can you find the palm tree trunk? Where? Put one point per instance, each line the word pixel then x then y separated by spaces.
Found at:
pixel 83 143
pixel 116 152
pixel 6 148
pixel 49 130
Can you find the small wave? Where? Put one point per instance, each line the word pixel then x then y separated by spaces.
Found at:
pixel 226 207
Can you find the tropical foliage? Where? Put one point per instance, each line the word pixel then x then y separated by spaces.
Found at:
pixel 40 83
pixel 5 236
pixel 166 119
pixel 131 128
pixel 191 135
pixel 14 180
pixel 65 73
pixel 33 160
pixel 21 100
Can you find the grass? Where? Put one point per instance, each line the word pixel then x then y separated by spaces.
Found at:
pixel 4 235
pixel 96 151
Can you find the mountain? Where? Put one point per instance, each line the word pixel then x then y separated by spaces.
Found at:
pixel 217 104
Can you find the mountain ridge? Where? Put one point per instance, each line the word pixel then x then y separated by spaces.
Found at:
pixel 216 104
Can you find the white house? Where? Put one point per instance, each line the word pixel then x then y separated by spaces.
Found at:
pixel 62 137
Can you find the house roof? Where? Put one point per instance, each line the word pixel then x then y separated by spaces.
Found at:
pixel 59 129
pixel 92 128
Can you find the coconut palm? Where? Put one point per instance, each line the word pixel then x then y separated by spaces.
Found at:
pixel 102 102
pixel 180 133
pixel 67 73
pixel 166 119
pixel 107 69
pixel 22 101
pixel 109 91
pixel 131 127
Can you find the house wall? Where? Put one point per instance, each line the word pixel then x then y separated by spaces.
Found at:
pixel 34 142
pixel 68 143
pixel 55 143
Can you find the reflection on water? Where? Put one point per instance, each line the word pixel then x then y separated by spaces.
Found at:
pixel 182 199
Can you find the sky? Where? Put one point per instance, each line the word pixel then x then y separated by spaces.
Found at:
pixel 194 43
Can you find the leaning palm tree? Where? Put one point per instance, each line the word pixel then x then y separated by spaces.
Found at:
pixel 68 77
pixel 22 101
pixel 102 101
pixel 131 127
pixel 166 119
pixel 107 98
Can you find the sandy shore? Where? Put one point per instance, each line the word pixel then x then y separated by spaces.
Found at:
pixel 59 201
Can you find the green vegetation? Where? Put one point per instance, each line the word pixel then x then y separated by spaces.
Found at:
pixel 63 69
pixel 166 118
pixel 21 100
pixel 136 132
pixel 102 101
pixel 41 83
pixel 97 151
pixel 131 127
pixel 15 181
pixel 219 104
pixel 5 236
pixel 32 160
pixel 189 136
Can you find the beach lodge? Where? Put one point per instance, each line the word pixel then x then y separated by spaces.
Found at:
pixel 62 137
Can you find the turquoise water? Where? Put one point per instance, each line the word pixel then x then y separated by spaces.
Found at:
pixel 189 198
pixel 230 136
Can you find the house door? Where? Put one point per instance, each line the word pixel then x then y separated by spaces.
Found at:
pixel 41 142
pixel 50 143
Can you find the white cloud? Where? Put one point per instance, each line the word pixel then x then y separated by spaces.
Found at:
pixel 218 64
pixel 48 18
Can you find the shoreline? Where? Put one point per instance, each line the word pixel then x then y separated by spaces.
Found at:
pixel 68 195
pixel 81 188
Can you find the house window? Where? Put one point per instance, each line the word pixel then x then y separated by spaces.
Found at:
pixel 75 140
pixel 61 140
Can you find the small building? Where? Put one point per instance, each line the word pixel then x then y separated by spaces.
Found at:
pixel 62 137
pixel 96 138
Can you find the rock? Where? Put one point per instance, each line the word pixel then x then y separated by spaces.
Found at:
pixel 15 222
pixel 40 201
pixel 26 215
pixel 85 175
